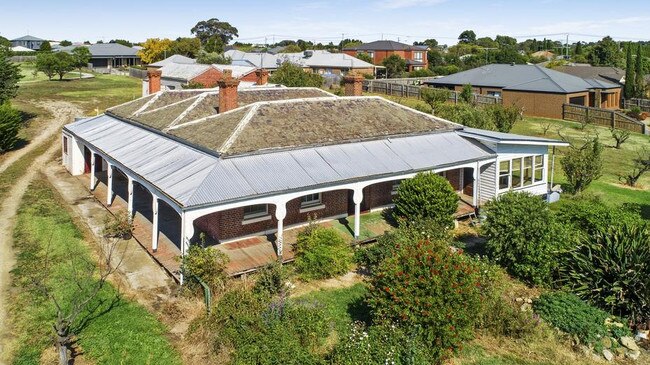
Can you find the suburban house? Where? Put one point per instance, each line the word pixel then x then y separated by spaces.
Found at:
pixel 178 72
pixel 28 41
pixel 108 55
pixel 317 61
pixel 415 56
pixel 538 90
pixel 602 73
pixel 231 162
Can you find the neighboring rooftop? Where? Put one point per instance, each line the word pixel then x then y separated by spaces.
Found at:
pixel 27 38
pixel 521 77
pixel 601 73
pixel 183 71
pixel 309 58
pixel 100 50
pixel 385 46
pixel 173 59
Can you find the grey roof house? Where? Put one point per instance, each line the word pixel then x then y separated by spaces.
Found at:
pixel 27 41
pixel 109 55
pixel 538 90
pixel 234 163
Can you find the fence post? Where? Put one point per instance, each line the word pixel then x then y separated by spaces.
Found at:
pixel 613 119
pixel 586 115
pixel 563 111
pixel 389 89
pixel 455 97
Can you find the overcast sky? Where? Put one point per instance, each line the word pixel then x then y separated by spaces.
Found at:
pixel 329 20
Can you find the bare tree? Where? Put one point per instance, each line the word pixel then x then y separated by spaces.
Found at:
pixel 620 136
pixel 641 166
pixel 88 278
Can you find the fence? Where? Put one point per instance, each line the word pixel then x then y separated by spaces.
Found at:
pixel 643 104
pixel 137 73
pixel 413 91
pixel 604 117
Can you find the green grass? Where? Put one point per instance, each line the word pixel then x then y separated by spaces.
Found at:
pixel 28 71
pixel 115 331
pixel 9 176
pixel 92 95
pixel 342 306
pixel 615 162
pixel 368 222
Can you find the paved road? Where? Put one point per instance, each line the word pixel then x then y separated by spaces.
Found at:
pixel 63 113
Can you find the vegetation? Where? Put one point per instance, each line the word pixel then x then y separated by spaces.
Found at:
pixel 271 279
pixel 214 34
pixel 365 57
pixel 628 88
pixel 467 94
pixel 51 64
pixel 575 317
pixel 610 269
pixel 154 49
pixel 49 249
pixel 188 47
pixel 493 117
pixel 639 74
pixel 583 164
pixel 434 96
pixel 524 237
pixel 209 58
pixel 292 75
pixel 118 226
pixel 395 66
pixel 620 136
pixel 321 253
pixel 206 264
pixel 426 196
pixel 9 77
pixel 81 56
pixel 10 124
pixel 641 166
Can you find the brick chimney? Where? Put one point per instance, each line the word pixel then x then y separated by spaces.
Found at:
pixel 262 76
pixel 154 80
pixel 353 84
pixel 227 92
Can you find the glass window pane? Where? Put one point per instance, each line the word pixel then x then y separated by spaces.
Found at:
pixel 528 170
pixel 539 160
pixel 516 173
pixel 538 174
pixel 255 210
pixel 504 166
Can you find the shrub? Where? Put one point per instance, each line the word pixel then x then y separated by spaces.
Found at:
pixel 588 214
pixel 577 318
pixel 523 237
pixel 467 94
pixel 118 226
pixel 10 124
pixel 321 253
pixel 465 114
pixel 271 279
pixel 634 112
pixel 427 196
pixel 380 345
pixel 504 117
pixel 434 96
pixel 610 269
pixel 583 164
pixel 208 264
pixel 289 74
pixel 427 286
pixel 263 330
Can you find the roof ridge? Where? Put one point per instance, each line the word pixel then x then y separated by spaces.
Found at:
pixel 148 103
pixel 544 71
pixel 168 105
pixel 201 120
pixel 238 129
pixel 182 115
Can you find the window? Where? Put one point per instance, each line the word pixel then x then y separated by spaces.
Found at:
pixel 528 171
pixel 577 100
pixel 371 54
pixel 310 200
pixel 516 173
pixel 504 175
pixel 417 67
pixel 256 211
pixel 539 168
pixel 65 145
pixel 494 93
pixel 417 56
pixel 395 187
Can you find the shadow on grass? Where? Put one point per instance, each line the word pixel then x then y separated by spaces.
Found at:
pixel 359 310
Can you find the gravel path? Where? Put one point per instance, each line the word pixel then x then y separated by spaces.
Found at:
pixel 63 113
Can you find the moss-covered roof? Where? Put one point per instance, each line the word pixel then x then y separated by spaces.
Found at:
pixel 213 132
pixel 162 117
pixel 127 109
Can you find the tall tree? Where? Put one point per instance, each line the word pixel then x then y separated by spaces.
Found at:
pixel 4 42
pixel 467 36
pixel 628 90
pixel 46 63
pixel 45 47
pixel 639 81
pixel 292 75
pixel 188 47
pixel 208 30
pixel 65 43
pixel 605 53
pixel 9 77
pixel 64 64
pixel 395 65
pixel 81 56
pixel 123 42
pixel 578 49
pixel 153 49
pixel 349 43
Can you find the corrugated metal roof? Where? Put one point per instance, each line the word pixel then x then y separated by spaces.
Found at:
pixel 509 137
pixel 194 178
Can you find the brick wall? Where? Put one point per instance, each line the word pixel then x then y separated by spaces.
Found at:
pixel 377 195
pixel 540 104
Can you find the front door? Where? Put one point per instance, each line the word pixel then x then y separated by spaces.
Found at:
pixel 87 157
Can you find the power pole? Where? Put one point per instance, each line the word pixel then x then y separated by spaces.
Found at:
pixel 567 46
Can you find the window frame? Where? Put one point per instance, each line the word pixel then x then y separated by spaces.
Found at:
pixel 65 145
pixel 507 174
pixel 538 167
pixel 311 202
pixel 418 56
pixel 253 215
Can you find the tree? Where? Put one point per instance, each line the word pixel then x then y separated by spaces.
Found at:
pixel 4 42
pixel 45 47
pixel 641 166
pixel 208 58
pixel 583 164
pixel 123 42
pixel 81 56
pixel 578 49
pixel 628 90
pixel 65 43
pixel 64 63
pixel 46 63
pixel 207 31
pixel 506 41
pixel 188 47
pixel 467 94
pixel 605 53
pixel 365 57
pixel 154 49
pixel 10 123
pixel 639 81
pixel 427 196
pixel 292 48
pixel 434 97
pixel 9 77
pixel 487 42
pixel 620 136
pixel 349 43
pixel 292 75
pixel 395 65
pixel 467 37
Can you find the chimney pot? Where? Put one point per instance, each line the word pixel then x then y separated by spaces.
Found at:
pixel 353 84
pixel 262 76
pixel 228 92
pixel 154 76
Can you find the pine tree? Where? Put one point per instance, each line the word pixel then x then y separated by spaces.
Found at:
pixel 578 50
pixel 639 81
pixel 628 91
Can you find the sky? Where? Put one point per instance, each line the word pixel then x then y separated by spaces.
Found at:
pixel 260 21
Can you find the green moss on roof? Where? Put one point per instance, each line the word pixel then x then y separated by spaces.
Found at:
pixel 205 108
pixel 254 95
pixel 127 109
pixel 170 97
pixel 161 118
pixel 212 132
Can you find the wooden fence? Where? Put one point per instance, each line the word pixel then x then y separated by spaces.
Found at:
pixel 604 117
pixel 413 91
pixel 643 104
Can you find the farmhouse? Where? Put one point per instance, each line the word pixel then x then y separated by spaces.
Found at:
pixel 538 90
pixel 238 162
pixel 415 56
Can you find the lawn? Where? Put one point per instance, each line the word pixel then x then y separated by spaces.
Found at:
pixel 29 73
pixel 616 162
pixel 116 331
pixel 371 225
